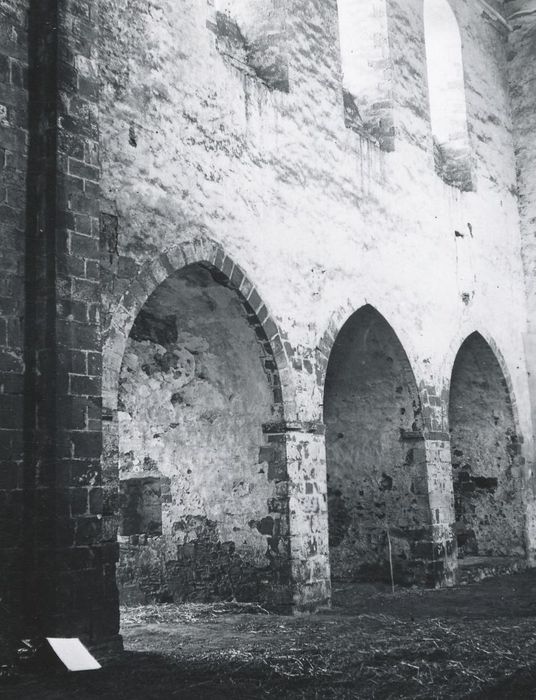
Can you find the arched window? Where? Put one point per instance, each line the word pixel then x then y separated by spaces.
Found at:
pixel 251 33
pixel 446 91
pixel 366 70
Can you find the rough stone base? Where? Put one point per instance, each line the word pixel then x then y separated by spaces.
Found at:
pixel 472 569
pixel 204 573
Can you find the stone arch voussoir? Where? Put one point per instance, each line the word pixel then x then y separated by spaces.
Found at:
pixel 206 252
pixel 210 255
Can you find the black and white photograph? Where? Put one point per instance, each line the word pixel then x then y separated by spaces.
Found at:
pixel 267 349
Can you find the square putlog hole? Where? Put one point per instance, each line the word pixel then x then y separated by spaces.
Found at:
pixel 140 506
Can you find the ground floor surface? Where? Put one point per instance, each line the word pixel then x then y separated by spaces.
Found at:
pixel 474 641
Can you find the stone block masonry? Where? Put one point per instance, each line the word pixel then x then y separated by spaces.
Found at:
pixel 522 75
pixel 14 130
pixel 486 456
pixel 187 224
pixel 68 567
pixel 377 485
pixel 193 398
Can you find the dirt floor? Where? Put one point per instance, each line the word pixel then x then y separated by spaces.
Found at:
pixel 476 641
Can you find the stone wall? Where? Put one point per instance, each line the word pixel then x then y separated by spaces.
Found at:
pixel 157 148
pixel 446 88
pixel 323 221
pixel 14 130
pixel 193 399
pixel 50 208
pixel 377 487
pixel 486 463
pixel 366 66
pixel 522 74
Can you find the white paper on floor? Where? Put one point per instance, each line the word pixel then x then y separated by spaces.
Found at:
pixel 73 654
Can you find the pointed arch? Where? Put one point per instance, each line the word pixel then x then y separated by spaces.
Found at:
pixel 487 338
pixel 338 319
pixel 376 458
pixel 486 451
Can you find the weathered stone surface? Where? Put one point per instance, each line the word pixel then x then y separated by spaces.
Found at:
pixel 13 168
pixel 377 484
pixel 446 90
pixel 194 395
pixel 488 490
pixel 161 134
pixel 522 75
pixel 367 70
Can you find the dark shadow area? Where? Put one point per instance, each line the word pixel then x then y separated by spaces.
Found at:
pixel 471 641
pixel 39 417
pixel 486 456
pixel 151 675
pixel 520 685
pixel 508 597
pixel 377 487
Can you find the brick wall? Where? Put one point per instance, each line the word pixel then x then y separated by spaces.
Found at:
pixel 70 578
pixel 13 173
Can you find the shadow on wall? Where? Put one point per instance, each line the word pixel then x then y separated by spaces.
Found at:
pixel 486 455
pixel 377 484
pixel 200 514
